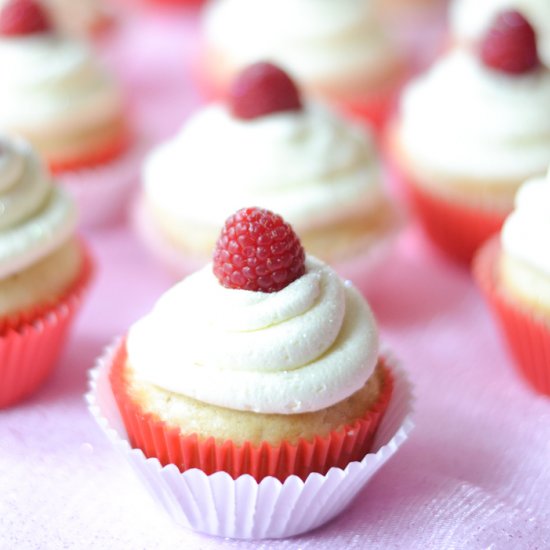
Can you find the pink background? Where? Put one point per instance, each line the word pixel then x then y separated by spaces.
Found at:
pixel 475 473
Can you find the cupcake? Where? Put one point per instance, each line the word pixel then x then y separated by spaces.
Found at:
pixel 59 98
pixel 44 269
pixel 470 131
pixel 337 50
pixel 267 146
pixel 262 367
pixel 471 19
pixel 513 270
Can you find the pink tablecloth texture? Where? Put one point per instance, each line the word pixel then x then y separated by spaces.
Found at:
pixel 475 473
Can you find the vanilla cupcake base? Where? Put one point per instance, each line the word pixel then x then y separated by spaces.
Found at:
pixel 526 285
pixel 243 508
pixel 43 282
pixel 191 416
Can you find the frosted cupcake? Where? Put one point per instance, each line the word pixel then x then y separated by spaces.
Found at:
pixel 267 146
pixel 470 131
pixel 337 50
pixel 43 270
pixel 57 96
pixel 260 372
pixel 470 20
pixel 514 273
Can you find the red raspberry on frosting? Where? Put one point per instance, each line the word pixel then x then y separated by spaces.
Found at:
pixel 257 250
pixel 510 46
pixel 263 89
pixel 22 17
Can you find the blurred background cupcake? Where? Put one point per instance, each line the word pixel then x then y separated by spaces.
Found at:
pixel 59 97
pixel 336 50
pixel 470 131
pixel 268 146
pixel 44 269
pixel 513 270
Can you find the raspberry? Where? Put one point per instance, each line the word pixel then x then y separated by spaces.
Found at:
pixel 262 89
pixel 257 250
pixel 22 17
pixel 510 46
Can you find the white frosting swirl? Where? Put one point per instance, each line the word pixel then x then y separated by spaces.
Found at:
pixel 317 41
pixel 311 166
pixel 53 83
pixel 463 119
pixel 471 19
pixel 35 218
pixel 301 349
pixel 525 233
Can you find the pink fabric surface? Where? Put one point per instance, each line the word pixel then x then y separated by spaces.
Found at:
pixel 475 473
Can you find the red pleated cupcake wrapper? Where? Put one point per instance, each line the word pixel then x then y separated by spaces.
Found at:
pixel 31 343
pixel 157 439
pixel 457 229
pixel 111 150
pixel 527 335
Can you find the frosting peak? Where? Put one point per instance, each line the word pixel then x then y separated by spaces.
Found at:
pixel 303 348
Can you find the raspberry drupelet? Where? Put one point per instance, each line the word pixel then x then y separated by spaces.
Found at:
pixel 259 251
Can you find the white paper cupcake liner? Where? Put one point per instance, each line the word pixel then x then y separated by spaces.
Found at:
pixel 103 192
pixel 243 508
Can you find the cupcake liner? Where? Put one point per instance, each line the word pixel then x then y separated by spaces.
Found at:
pixel 527 335
pixel 102 192
pixel 456 229
pixel 31 344
pixel 219 505
pixel 157 439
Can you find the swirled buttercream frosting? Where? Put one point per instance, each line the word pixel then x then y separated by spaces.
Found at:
pixel 318 42
pixel 52 83
pixel 312 166
pixel 301 349
pixel 463 119
pixel 35 217
pixel 525 233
